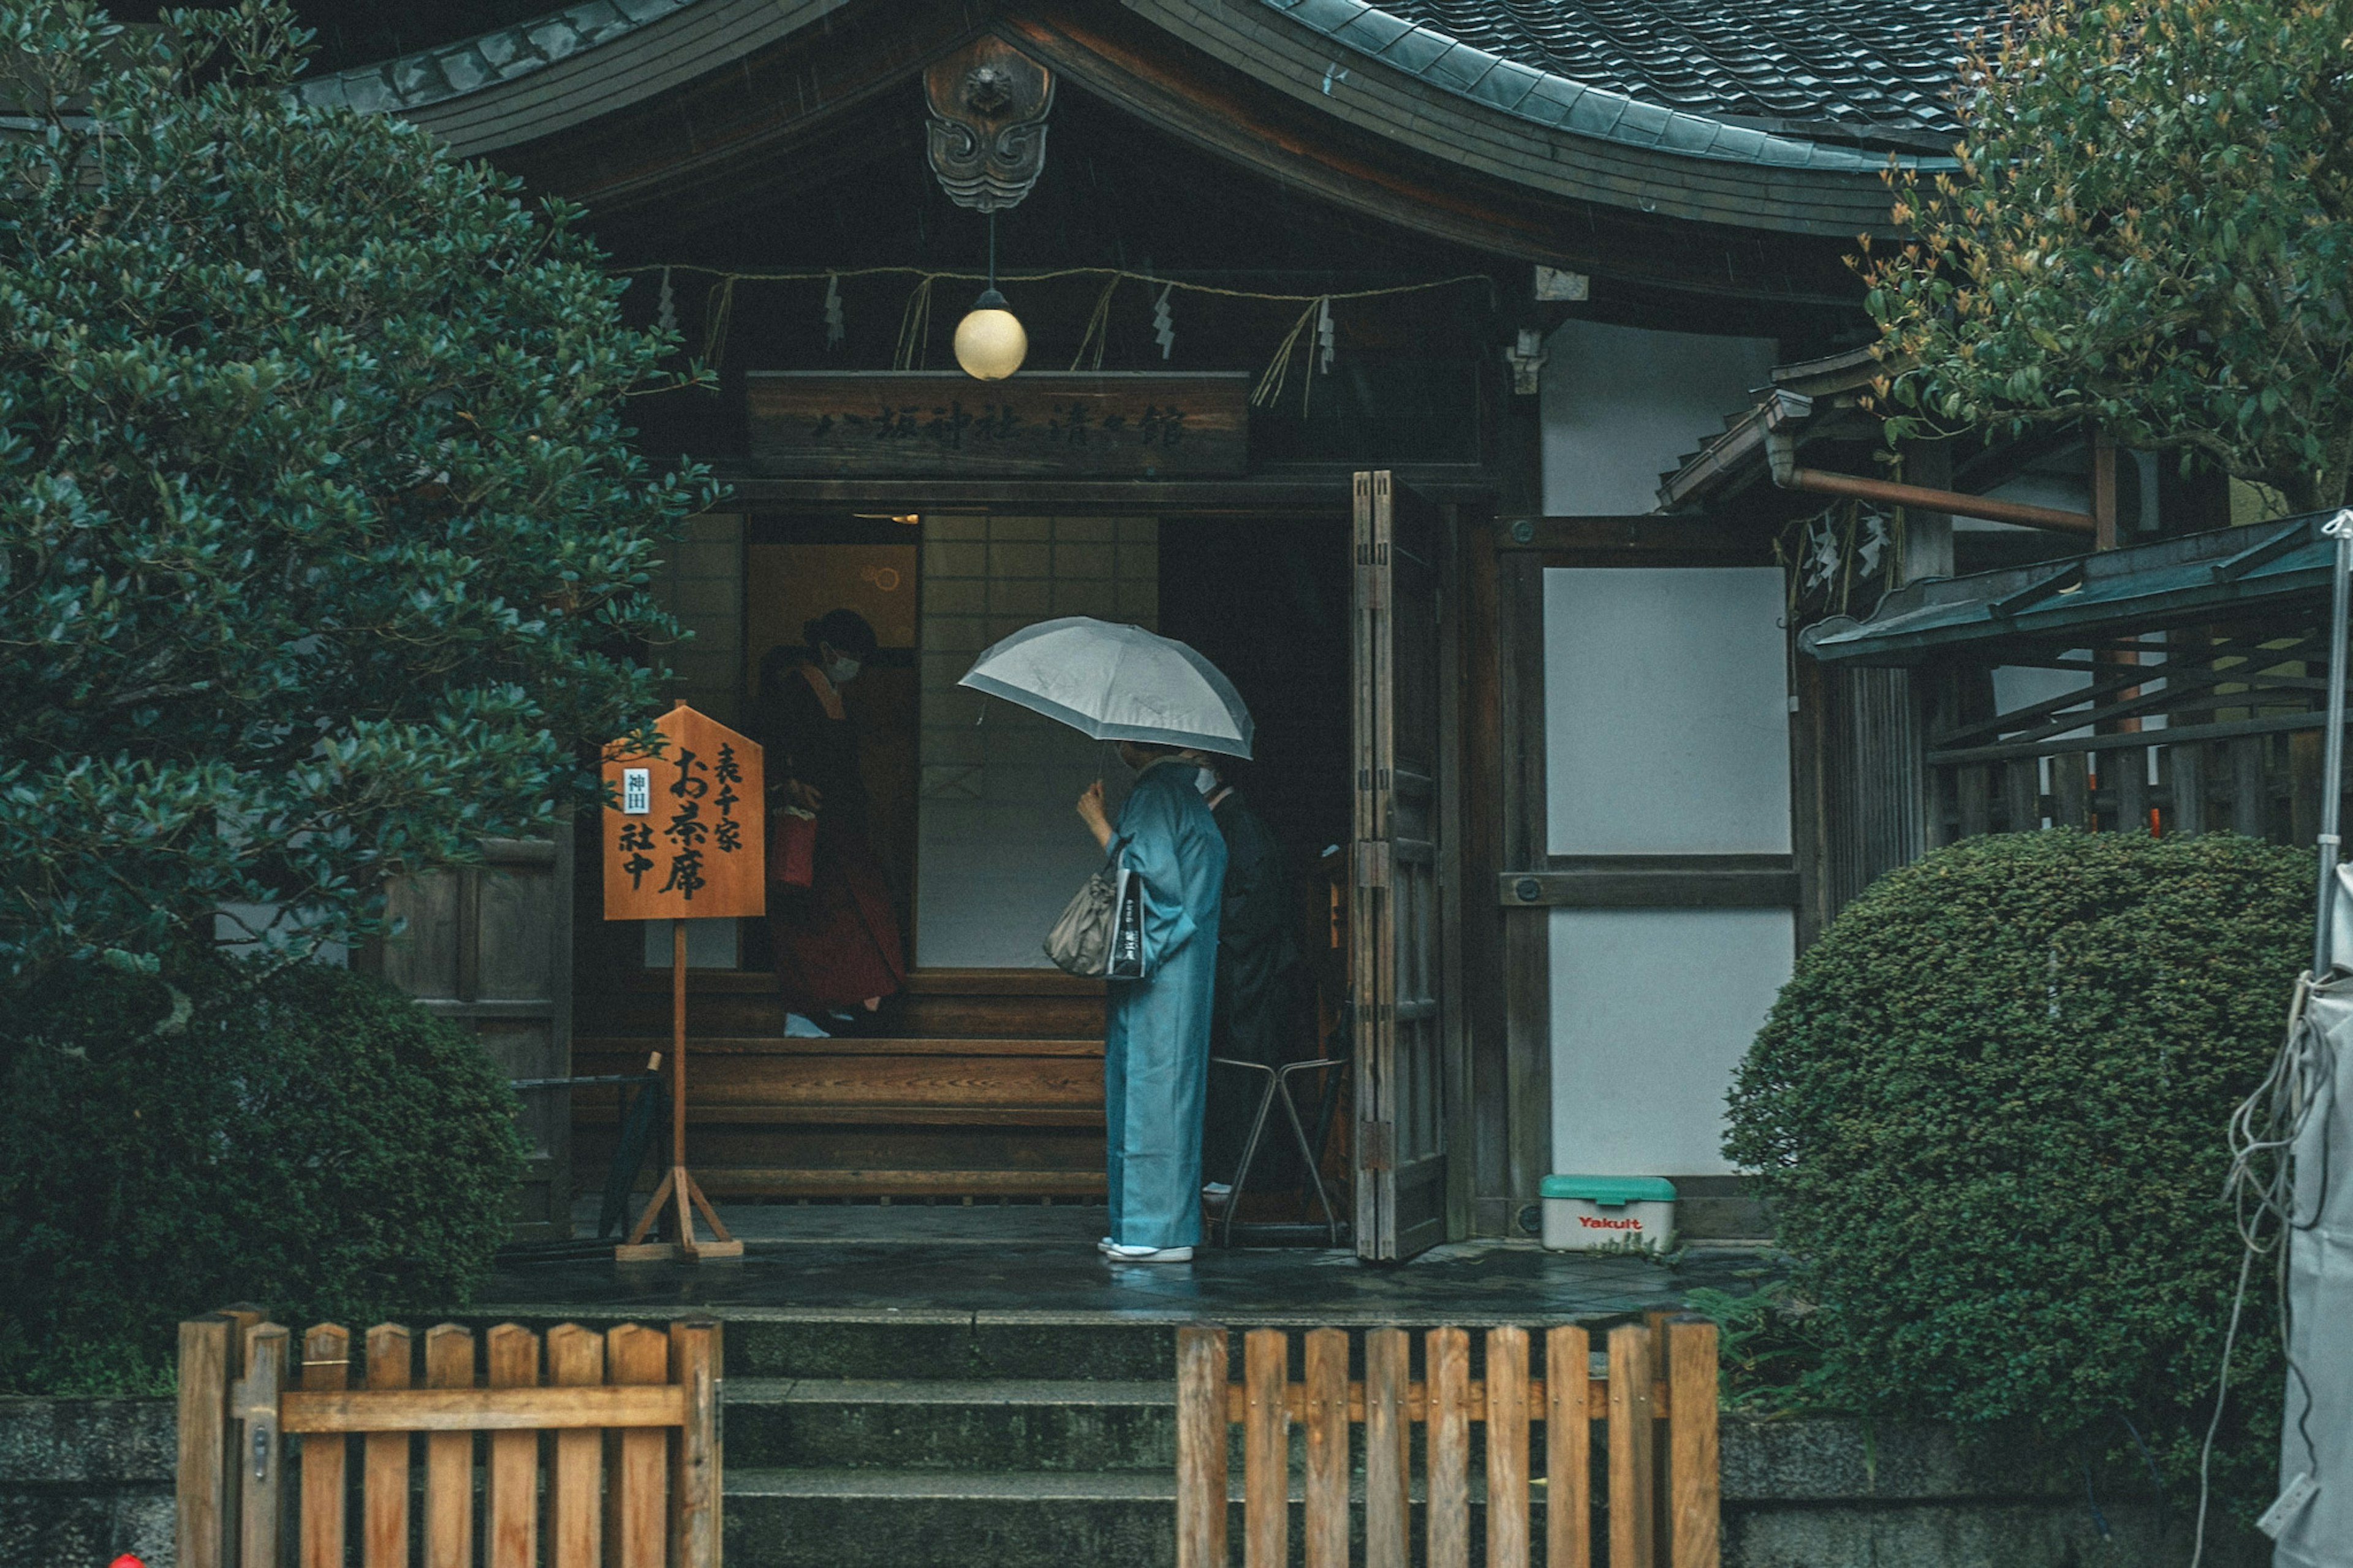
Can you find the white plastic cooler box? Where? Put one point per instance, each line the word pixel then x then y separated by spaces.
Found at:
pixel 1583 1213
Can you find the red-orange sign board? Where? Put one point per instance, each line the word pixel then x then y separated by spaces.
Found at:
pixel 685 832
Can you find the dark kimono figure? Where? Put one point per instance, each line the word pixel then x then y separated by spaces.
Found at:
pixel 1157 1036
pixel 1258 1015
pixel 836 941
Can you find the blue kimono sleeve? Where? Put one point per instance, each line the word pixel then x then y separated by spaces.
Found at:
pixel 1146 845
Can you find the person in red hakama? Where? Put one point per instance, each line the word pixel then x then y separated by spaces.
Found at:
pixel 836 940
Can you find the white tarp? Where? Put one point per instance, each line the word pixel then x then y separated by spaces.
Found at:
pixel 2318 1437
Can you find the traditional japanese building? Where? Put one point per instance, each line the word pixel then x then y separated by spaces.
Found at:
pixel 1537 315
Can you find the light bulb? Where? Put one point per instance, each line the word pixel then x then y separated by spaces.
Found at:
pixel 989 342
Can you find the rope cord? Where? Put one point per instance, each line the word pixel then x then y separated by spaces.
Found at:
pixel 923 274
pixel 2261 1185
pixel 915 317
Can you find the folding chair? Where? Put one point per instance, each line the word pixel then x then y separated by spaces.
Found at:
pixel 1278 1087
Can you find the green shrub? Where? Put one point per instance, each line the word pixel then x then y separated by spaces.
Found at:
pixel 307 1139
pixel 1990 1110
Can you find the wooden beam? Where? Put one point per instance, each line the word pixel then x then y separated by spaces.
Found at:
pixel 1694 887
pixel 482 1409
pixel 1641 539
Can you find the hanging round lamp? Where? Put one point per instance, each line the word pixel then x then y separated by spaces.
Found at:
pixel 990 343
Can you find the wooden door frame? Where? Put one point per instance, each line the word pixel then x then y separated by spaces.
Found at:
pixel 1507 921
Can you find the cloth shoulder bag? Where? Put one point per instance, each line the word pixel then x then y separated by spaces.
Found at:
pixel 1100 932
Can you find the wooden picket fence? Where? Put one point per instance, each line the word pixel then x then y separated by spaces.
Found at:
pixel 1657 1406
pixel 631 1458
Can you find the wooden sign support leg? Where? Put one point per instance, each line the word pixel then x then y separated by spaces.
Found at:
pixel 678 1185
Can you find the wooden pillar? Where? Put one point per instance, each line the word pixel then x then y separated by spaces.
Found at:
pixel 2021 785
pixel 2250 795
pixel 2126 771
pixel 1927 535
pixel 2104 492
pixel 2185 768
pixel 2071 794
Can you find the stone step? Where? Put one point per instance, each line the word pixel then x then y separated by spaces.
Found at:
pixel 995 1425
pixel 952 1351
pixel 931 1518
pixel 1064 1425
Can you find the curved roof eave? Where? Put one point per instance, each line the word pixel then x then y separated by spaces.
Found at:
pixel 1342 58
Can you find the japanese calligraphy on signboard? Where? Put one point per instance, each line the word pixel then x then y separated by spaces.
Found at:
pixel 1126 425
pixel 685 830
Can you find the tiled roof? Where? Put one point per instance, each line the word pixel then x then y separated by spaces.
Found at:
pixel 454 69
pixel 1798 67
pixel 1819 85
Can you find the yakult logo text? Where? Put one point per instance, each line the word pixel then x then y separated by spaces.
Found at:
pixel 1589 1223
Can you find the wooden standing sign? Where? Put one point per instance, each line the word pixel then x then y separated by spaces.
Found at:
pixel 684 838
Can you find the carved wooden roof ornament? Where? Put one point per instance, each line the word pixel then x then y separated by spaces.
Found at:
pixel 987 141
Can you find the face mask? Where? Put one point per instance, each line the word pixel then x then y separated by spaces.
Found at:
pixel 842 671
pixel 1205 781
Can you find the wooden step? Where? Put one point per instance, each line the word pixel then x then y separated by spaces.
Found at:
pixel 636 1047
pixel 1003 1003
pixel 778 1081
pixel 990 1085
pixel 768 1162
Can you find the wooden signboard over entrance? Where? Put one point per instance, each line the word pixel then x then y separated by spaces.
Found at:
pixel 688 840
pixel 944 424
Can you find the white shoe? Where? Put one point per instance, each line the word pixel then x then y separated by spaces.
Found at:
pixel 1106 1245
pixel 1119 1254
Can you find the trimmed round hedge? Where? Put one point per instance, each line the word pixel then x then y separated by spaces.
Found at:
pixel 306 1138
pixel 1989 1109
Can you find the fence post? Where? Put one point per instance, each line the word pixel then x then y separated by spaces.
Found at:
pixel 511 1479
pixel 1327 1448
pixel 1387 1358
pixel 201 1501
pixel 449 1456
pixel 1446 1373
pixel 695 1472
pixel 1201 1446
pixel 1266 1448
pixel 636 1517
pixel 257 1460
pixel 1568 1450
pixel 326 1365
pixel 1692 1453
pixel 576 1358
pixel 1507 1447
pixel 384 1457
pixel 1632 1496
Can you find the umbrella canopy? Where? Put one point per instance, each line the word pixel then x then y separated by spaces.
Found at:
pixel 1117 683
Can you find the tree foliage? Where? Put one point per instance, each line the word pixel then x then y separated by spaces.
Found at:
pixel 2150 229
pixel 322 544
pixel 1988 1108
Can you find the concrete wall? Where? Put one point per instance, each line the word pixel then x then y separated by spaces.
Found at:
pixel 82 1480
pixel 999 850
pixel 1620 405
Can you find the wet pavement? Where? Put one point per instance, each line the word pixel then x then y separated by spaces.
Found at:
pixel 1014 1263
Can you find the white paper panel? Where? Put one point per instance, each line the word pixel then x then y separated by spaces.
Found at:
pixel 1651 1011
pixel 1000 849
pixel 1620 405
pixel 1666 711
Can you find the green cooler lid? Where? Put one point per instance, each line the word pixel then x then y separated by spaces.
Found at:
pixel 1611 1191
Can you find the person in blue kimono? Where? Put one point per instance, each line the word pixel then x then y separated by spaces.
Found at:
pixel 1157 1038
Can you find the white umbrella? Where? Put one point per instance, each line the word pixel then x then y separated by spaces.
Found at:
pixel 1117 683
